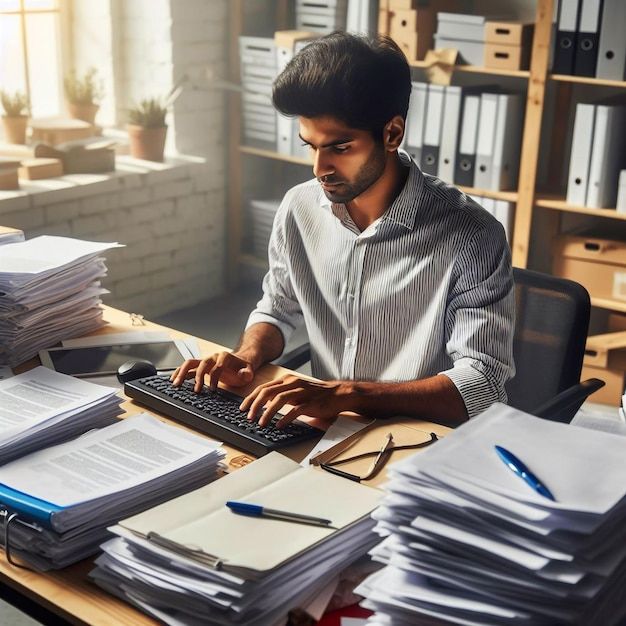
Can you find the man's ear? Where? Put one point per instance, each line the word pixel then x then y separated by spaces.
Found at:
pixel 393 133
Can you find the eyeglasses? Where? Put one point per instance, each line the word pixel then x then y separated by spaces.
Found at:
pixel 380 458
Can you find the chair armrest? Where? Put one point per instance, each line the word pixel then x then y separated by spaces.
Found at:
pixel 295 358
pixel 565 405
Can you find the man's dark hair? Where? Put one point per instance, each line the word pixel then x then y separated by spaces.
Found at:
pixel 361 81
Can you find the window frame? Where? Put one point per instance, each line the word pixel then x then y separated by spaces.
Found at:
pixel 61 9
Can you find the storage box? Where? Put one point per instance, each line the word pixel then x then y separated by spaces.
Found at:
pixel 404 24
pixel 509 33
pixel 38 168
pixel 504 57
pixel 9 179
pixel 612 392
pixel 470 52
pixel 8 174
pixel 58 130
pixel 594 260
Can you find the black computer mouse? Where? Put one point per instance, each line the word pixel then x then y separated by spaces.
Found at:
pixel 131 370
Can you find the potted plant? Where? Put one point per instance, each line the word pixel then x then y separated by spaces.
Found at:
pixel 15 119
pixel 83 94
pixel 147 129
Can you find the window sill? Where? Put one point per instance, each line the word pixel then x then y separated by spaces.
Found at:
pixel 129 173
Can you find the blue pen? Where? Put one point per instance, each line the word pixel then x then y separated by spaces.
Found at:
pixel 514 464
pixel 256 510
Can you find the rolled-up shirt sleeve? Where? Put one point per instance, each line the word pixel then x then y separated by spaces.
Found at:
pixel 279 305
pixel 480 318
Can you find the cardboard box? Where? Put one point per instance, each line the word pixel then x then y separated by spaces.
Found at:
pixel 404 24
pixel 612 392
pixel 409 47
pixel 9 180
pixel 402 5
pixel 288 38
pixel 594 260
pixel 504 57
pixel 509 33
pixel 38 168
pixel 58 130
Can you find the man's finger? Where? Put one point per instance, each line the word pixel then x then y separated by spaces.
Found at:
pixel 290 396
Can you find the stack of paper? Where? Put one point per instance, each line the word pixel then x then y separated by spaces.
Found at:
pixel 49 291
pixel 42 408
pixel 193 561
pixel 65 496
pixel 468 541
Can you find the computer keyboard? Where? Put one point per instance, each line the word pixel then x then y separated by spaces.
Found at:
pixel 217 414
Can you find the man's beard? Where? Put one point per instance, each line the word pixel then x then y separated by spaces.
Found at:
pixel 369 173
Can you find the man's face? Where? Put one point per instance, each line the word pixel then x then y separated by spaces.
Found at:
pixel 346 161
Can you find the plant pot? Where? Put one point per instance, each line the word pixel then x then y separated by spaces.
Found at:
pixel 146 143
pixel 15 128
pixel 85 112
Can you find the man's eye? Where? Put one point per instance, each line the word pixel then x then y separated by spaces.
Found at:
pixel 340 149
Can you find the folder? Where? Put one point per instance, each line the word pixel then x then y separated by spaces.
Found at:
pixel 612 46
pixel 415 120
pixel 607 156
pixel 580 154
pixel 587 38
pixel 451 128
pixel 621 193
pixel 432 130
pixel 466 155
pixel 507 142
pixel 285 42
pixel 567 26
pixel 503 212
pixel 199 526
pixel 453 99
pixel 362 17
pixel 485 142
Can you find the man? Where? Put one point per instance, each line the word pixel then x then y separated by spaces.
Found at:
pixel 403 282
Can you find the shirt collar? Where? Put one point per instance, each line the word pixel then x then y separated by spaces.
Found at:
pixel 402 210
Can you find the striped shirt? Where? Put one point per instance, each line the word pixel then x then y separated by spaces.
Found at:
pixel 426 289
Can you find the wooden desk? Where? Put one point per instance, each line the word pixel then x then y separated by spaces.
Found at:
pixel 67 594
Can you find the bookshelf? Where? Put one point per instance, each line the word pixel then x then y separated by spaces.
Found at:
pixel 527 197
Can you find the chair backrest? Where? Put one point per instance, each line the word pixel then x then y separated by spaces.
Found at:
pixel 551 324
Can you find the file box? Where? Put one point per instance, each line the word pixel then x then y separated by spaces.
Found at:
pixel 509 33
pixel 505 57
pixel 595 259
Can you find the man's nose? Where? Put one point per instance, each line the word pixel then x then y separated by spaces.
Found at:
pixel 322 165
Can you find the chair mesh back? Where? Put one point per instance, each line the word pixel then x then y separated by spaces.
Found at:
pixel 552 319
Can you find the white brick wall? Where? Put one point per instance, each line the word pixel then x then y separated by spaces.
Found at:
pixel 170 222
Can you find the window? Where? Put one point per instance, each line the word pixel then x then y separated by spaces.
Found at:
pixel 30 52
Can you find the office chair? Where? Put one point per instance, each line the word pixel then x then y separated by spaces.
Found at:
pixel 551 323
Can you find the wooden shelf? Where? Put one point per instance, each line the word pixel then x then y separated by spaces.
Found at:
pixel 608 303
pixel 557 203
pixel 588 80
pixel 476 69
pixel 509 196
pixel 270 154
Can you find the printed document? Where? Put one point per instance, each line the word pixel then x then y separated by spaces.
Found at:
pixel 39 395
pixel 106 461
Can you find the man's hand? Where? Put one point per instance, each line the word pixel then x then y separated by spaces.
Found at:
pixel 316 399
pixel 221 366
